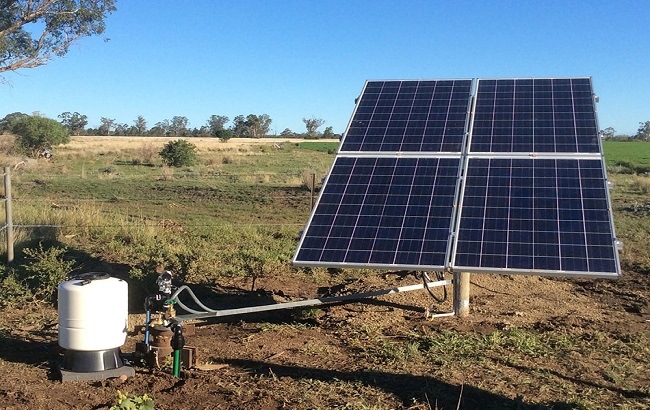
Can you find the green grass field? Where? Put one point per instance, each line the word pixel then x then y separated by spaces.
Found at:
pixel 323 146
pixel 636 154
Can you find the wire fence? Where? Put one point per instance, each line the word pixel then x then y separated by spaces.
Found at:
pixel 257 199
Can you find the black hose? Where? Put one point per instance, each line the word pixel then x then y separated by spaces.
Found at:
pixel 426 279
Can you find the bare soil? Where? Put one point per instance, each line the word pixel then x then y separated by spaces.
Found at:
pixel 345 356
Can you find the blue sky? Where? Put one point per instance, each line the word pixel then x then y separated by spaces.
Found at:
pixel 294 59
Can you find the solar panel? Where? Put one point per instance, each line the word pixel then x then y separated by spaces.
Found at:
pixel 383 212
pixel 545 215
pixel 410 116
pixel 535 115
pixel 516 184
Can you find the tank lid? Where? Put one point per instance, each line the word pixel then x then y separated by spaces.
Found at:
pixel 88 277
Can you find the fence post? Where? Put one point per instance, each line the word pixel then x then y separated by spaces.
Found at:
pixel 9 218
pixel 313 188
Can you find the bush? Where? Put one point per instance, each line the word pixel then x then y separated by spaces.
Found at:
pixel 12 290
pixel 45 269
pixel 34 134
pixel 179 153
pixel 224 134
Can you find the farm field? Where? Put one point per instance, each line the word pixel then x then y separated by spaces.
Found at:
pixel 228 227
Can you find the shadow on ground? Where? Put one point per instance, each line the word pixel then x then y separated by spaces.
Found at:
pixel 407 387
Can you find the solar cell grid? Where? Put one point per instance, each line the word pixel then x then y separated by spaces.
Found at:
pixel 410 116
pixel 383 212
pixel 535 115
pixel 536 214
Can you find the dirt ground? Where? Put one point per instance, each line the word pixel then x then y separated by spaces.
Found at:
pixel 329 357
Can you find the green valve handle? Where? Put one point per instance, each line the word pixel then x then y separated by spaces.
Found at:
pixel 177 342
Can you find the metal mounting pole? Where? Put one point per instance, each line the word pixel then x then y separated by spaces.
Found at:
pixel 461 294
pixel 9 218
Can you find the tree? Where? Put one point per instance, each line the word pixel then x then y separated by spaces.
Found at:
pixel 107 125
pixel 179 153
pixel 34 31
pixel 329 133
pixel 239 126
pixel 7 123
pixel 178 126
pixel 160 128
pixel 216 124
pixel 140 125
pixel 121 129
pixel 312 125
pixel 34 133
pixel 608 133
pixel 287 133
pixel 257 125
pixel 75 122
pixel 643 133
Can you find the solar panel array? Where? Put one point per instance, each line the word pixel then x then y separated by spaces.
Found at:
pixel 502 175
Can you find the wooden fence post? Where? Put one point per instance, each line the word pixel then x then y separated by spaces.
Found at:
pixel 9 218
pixel 313 189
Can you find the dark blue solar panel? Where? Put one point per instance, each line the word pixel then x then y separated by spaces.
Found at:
pixel 536 214
pixel 383 212
pixel 535 115
pixel 413 116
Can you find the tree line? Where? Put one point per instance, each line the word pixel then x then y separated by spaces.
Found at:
pixel 218 126
pixel 642 134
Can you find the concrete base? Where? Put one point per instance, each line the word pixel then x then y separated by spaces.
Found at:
pixel 67 376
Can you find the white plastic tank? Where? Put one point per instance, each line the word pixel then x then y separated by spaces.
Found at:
pixel 93 312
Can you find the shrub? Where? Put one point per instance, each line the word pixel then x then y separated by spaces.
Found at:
pixel 12 290
pixel 45 269
pixel 34 133
pixel 224 134
pixel 179 153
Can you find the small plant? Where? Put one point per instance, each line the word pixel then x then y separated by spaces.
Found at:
pixel 127 401
pixel 179 153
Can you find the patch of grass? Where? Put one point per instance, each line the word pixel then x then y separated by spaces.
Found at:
pixel 630 157
pixel 321 146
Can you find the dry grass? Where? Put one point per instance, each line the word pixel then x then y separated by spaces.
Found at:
pixel 101 144
pixel 642 184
